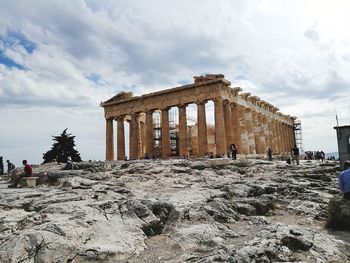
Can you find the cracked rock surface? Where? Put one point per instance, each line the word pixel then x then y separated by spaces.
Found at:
pixel 174 211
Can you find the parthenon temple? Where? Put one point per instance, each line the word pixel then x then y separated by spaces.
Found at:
pixel 249 122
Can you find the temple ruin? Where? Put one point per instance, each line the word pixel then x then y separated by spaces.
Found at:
pixel 240 118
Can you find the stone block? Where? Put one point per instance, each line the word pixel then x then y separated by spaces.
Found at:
pixel 339 214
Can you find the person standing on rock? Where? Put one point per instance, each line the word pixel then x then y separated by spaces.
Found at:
pixel 344 180
pixel 10 168
pixel 1 166
pixel 295 154
pixel 69 164
pixel 269 154
pixel 233 150
pixel 28 172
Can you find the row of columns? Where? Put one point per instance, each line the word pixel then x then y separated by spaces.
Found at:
pixel 251 131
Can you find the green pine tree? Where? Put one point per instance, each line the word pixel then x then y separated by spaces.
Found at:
pixel 62 149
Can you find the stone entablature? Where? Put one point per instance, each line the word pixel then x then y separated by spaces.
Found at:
pixel 249 122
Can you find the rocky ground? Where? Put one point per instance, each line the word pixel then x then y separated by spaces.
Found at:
pixel 173 211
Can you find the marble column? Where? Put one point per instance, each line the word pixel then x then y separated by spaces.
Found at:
pixel 220 134
pixel 109 140
pixel 285 137
pixel 256 132
pixel 291 137
pixel 120 139
pixel 262 133
pixel 131 139
pixel 228 125
pixel 290 132
pixel 279 136
pixel 244 131
pixel 236 125
pixel 275 137
pixel 202 129
pixel 294 137
pixel 266 132
pixel 250 131
pixel 272 137
pixel 149 134
pixel 143 139
pixel 183 148
pixel 166 151
pixel 135 137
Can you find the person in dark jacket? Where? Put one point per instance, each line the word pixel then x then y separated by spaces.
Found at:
pixel 1 166
pixel 10 168
pixel 295 154
pixel 233 150
pixel 269 154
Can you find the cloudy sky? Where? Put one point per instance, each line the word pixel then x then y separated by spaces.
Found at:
pixel 60 58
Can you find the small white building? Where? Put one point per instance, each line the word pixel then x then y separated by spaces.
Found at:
pixel 343 137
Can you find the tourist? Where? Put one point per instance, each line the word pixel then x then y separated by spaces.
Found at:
pixel 10 168
pixel 295 154
pixel 27 173
pixel 1 166
pixel 344 180
pixel 269 154
pixel 323 156
pixel 233 150
pixel 69 164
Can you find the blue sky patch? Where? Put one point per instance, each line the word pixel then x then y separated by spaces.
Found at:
pixel 9 62
pixel 11 40
pixel 95 78
pixel 18 38
pixel 14 38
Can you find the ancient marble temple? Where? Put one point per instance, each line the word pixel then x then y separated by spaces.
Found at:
pixel 240 118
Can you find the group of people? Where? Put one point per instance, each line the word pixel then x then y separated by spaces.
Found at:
pixel 28 172
pixel 315 155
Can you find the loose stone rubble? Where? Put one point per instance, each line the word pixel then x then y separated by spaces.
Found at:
pixel 174 211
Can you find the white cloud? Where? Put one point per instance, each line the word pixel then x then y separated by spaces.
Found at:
pixel 293 54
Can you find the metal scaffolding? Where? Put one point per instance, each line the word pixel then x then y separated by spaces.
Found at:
pixel 298 138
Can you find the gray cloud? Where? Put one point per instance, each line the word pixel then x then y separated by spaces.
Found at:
pixel 86 51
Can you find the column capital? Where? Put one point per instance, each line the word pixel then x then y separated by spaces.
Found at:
pixel 135 114
pixel 165 109
pixel 217 99
pixel 234 105
pixel 201 102
pixel 182 105
pixel 227 101
pixel 120 117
